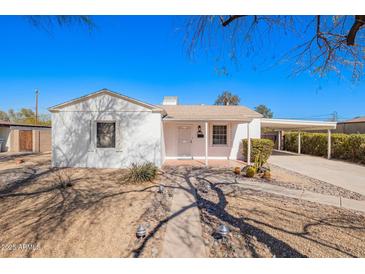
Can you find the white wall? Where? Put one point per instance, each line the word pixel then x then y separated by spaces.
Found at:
pixel 233 150
pixel 5 136
pixel 138 134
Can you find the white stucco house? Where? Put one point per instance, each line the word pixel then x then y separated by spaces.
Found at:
pixel 108 130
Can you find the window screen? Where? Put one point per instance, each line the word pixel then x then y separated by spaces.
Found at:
pixel 219 135
pixel 105 134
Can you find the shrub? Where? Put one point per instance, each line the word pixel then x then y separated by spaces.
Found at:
pixel 343 146
pixel 261 150
pixel 250 172
pixel 141 172
pixel 63 178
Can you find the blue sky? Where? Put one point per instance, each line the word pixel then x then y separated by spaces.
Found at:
pixel 144 57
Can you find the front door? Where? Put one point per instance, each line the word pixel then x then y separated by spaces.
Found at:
pixel 184 142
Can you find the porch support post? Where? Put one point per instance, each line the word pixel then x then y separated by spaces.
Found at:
pixel 299 143
pixel 279 140
pixel 328 144
pixel 206 143
pixel 248 144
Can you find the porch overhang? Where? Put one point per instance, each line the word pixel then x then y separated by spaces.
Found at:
pixel 200 120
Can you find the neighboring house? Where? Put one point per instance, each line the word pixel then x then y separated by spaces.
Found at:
pixel 17 137
pixel 356 125
pixel 109 130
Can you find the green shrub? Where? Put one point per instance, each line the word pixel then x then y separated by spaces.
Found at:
pixel 141 172
pixel 261 150
pixel 343 146
pixel 250 172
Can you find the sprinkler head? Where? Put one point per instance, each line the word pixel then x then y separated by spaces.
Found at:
pixel 141 231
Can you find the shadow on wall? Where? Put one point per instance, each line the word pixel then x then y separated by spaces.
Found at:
pixel 74 139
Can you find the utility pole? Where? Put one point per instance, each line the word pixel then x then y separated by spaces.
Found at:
pixel 334 116
pixel 36 106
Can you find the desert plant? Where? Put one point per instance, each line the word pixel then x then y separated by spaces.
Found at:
pixel 261 147
pixel 250 172
pixel 63 178
pixel 141 172
pixel 259 162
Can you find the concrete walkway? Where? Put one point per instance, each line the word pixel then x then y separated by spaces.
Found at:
pixel 183 237
pixel 304 195
pixel 339 173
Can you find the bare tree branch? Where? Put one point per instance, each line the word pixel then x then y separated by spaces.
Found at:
pixel 359 22
pixel 230 19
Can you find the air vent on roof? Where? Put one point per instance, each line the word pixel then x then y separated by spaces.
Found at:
pixel 170 100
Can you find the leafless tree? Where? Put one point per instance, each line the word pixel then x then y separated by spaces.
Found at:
pixel 321 44
pixel 48 22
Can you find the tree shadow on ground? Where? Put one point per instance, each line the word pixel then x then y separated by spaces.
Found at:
pixel 193 178
pixel 33 211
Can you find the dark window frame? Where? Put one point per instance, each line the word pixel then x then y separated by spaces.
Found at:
pixel 112 144
pixel 219 135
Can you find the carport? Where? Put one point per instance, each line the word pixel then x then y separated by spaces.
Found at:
pixel 281 125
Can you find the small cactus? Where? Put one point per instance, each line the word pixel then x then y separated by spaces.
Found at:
pixel 250 172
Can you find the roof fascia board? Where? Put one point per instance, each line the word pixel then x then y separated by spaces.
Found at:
pixel 58 107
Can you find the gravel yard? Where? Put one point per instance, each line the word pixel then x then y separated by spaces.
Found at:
pixel 94 216
pixel 290 179
pixel 264 225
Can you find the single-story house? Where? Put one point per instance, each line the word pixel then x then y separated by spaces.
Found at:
pixel 108 130
pixel 355 125
pixel 18 137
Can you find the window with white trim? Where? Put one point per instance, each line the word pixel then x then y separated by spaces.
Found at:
pixel 105 134
pixel 219 135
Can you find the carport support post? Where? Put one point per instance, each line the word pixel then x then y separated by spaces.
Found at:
pixel 206 143
pixel 299 143
pixel 279 140
pixel 328 144
pixel 248 144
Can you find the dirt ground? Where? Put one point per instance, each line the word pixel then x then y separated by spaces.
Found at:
pixel 49 212
pixel 265 225
pixel 42 215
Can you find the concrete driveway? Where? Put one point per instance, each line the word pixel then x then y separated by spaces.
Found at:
pixel 339 173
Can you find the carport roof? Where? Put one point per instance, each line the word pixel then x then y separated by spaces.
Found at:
pixel 282 124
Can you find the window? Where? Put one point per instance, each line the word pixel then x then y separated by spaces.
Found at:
pixel 219 135
pixel 105 134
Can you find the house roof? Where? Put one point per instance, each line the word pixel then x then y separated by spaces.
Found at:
pixel 9 124
pixel 203 112
pixel 354 120
pixel 101 92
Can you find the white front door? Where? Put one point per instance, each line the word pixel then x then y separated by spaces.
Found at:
pixel 184 142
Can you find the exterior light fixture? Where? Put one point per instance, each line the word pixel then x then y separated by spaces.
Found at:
pixel 141 231
pixel 200 133
pixel 161 189
pixel 222 231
